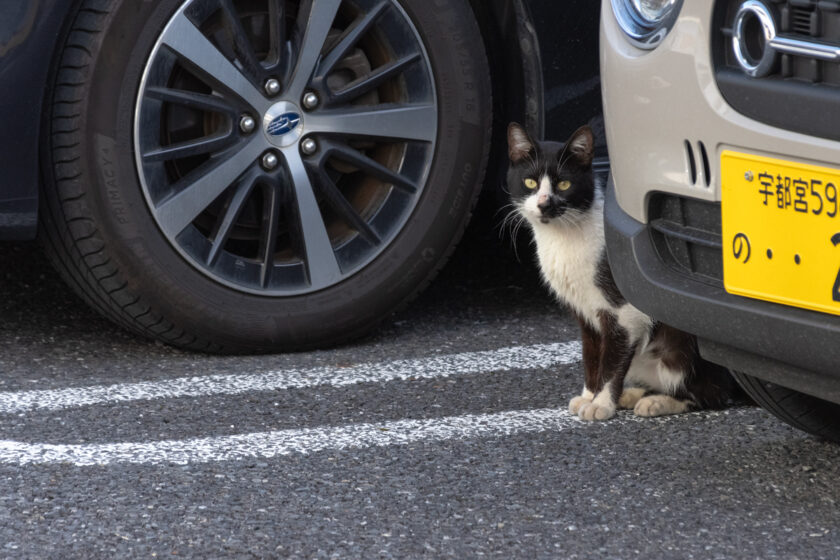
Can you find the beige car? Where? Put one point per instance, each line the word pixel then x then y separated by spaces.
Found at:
pixel 723 209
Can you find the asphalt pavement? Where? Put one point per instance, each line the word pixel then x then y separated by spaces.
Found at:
pixel 443 434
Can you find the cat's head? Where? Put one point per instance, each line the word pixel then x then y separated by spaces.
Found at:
pixel 551 182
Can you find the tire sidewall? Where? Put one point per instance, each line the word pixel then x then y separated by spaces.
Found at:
pixel 158 274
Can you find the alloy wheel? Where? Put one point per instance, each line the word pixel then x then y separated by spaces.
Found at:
pixel 282 146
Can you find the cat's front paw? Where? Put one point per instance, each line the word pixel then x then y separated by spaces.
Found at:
pixel 630 397
pixel 659 405
pixel 577 402
pixel 593 411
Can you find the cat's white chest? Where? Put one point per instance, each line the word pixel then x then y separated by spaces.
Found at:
pixel 568 259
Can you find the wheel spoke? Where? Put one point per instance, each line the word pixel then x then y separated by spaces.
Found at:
pixel 207 100
pixel 320 258
pixel 277 31
pixel 193 100
pixel 397 122
pixel 371 166
pixel 177 212
pixel 208 144
pixel 350 38
pixel 344 209
pixel 268 239
pixel 317 22
pixel 195 50
pixel 230 213
pixel 241 44
pixel 364 84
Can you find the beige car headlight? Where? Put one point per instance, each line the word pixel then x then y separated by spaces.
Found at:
pixel 646 22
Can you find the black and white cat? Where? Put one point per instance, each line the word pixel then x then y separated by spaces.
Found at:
pixel 553 189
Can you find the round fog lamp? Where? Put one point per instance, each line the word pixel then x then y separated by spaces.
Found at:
pixel 653 11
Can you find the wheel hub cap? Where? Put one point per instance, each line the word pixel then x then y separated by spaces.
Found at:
pixel 283 124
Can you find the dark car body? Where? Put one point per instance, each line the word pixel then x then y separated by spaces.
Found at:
pixel 543 55
pixel 29 31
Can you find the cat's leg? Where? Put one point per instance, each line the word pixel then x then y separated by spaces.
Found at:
pixel 707 385
pixel 591 350
pixel 616 354
pixel 675 351
pixel 630 396
pixel 642 369
pixel 661 405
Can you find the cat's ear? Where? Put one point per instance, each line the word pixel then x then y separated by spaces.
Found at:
pixel 581 146
pixel 520 145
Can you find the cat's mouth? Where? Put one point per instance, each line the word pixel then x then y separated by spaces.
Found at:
pixel 546 215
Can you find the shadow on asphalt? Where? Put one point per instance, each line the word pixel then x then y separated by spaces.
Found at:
pixel 41 316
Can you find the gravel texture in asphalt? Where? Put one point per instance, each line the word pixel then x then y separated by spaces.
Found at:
pixel 464 464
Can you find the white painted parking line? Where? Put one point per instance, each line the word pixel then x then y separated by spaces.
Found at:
pixel 306 441
pixel 518 357
pixel 289 442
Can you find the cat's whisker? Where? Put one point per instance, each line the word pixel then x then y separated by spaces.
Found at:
pixel 517 223
pixel 517 226
pixel 508 217
pixel 561 162
pixel 577 221
pixel 513 244
pixel 504 187
pixel 505 208
pixel 512 222
pixel 564 155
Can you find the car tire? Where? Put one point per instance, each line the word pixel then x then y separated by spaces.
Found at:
pixel 805 412
pixel 108 220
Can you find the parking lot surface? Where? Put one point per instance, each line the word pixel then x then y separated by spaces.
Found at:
pixel 443 434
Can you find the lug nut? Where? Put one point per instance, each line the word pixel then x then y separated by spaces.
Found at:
pixel 309 146
pixel 247 124
pixel 269 161
pixel 310 100
pixel 272 87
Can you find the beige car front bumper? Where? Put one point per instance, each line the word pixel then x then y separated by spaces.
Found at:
pixel 656 102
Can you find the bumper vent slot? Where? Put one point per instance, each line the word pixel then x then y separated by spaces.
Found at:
pixel 803 21
pixel 707 168
pixel 686 234
pixel 692 164
pixel 703 165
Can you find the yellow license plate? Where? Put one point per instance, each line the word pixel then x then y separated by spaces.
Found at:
pixel 781 231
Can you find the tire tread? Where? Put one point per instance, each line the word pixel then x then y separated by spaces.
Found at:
pixel 68 229
pixel 800 410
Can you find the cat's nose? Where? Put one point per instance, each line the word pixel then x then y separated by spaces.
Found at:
pixel 543 203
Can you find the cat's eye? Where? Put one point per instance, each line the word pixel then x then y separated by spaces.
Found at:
pixel 564 185
pixel 531 184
